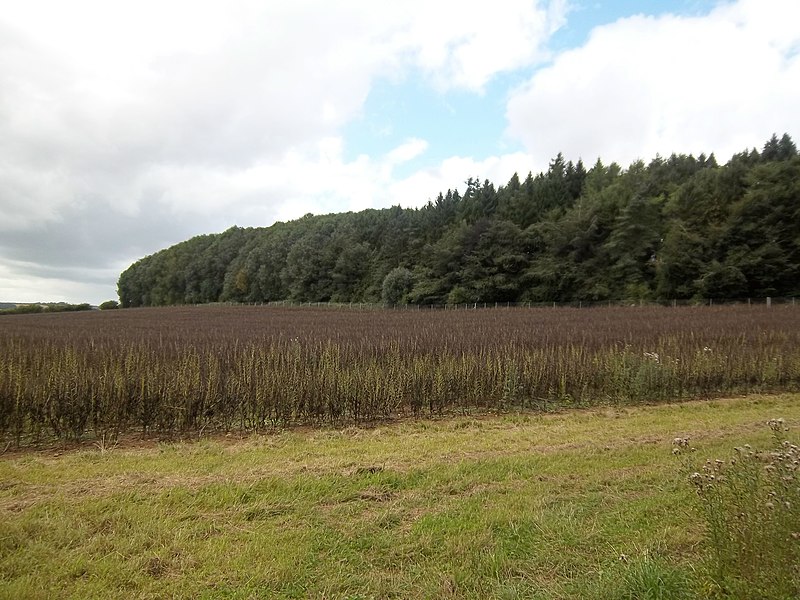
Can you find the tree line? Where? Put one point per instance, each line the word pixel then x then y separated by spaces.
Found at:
pixel 675 228
pixel 49 307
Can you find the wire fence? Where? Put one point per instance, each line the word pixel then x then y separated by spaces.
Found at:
pixel 577 304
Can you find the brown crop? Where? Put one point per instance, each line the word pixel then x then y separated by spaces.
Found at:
pixel 220 368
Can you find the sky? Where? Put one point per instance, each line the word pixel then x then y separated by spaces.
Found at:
pixel 127 127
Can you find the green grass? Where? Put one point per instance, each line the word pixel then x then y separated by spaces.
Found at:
pixel 586 504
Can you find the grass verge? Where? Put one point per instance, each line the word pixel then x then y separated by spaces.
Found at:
pixel 587 504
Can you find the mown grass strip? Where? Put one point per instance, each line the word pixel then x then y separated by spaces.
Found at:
pixel 578 504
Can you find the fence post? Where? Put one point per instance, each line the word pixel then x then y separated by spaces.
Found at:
pixel 769 301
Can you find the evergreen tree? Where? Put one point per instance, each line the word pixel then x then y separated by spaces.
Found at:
pixel 679 227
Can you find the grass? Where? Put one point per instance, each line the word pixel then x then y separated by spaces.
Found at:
pixel 586 504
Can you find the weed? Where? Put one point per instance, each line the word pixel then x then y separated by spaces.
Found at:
pixel 651 578
pixel 750 504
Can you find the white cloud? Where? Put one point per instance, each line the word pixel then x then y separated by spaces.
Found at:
pixel 645 85
pixel 79 286
pixel 464 44
pixel 452 173
pixel 97 87
pixel 408 151
pixel 128 127
pixel 337 185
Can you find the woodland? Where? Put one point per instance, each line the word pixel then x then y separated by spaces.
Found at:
pixel 681 227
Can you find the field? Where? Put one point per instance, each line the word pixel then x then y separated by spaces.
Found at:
pixel 251 452
pixel 178 372
pixel 586 503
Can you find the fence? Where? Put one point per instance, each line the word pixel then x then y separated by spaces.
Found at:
pixel 768 301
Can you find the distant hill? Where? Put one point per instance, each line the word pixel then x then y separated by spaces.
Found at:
pixel 674 228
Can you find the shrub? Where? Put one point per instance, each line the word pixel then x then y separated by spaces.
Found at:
pixel 751 508
pixel 396 285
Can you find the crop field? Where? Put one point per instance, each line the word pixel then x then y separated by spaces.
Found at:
pixel 172 372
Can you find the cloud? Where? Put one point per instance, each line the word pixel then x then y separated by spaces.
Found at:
pixel 453 172
pixel 646 85
pixel 464 44
pixel 128 127
pixel 75 287
pixel 125 128
pixel 407 151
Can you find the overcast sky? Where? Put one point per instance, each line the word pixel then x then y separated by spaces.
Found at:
pixel 128 127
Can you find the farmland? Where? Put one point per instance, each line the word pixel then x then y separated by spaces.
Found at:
pixel 249 451
pixel 183 371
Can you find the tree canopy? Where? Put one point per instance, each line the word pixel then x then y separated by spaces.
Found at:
pixel 675 228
